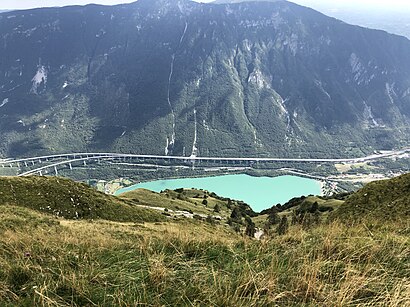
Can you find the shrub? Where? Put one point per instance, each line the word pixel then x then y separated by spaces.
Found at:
pixel 283 226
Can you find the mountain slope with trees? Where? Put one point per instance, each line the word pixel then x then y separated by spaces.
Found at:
pixel 182 78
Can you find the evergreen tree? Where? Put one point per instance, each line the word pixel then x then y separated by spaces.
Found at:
pixel 283 226
pixel 236 214
pixel 273 217
pixel 250 229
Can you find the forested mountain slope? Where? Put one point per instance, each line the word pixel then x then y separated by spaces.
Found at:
pixel 180 77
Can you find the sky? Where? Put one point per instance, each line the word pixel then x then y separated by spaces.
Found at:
pixel 392 4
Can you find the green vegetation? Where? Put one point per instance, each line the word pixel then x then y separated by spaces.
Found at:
pixel 52 261
pixel 379 200
pixel 66 198
pixel 192 263
pixel 190 200
pixel 110 92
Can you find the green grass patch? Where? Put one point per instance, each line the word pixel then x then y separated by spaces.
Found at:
pixel 66 198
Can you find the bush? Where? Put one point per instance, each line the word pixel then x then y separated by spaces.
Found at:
pixel 236 214
pixel 273 219
pixel 250 229
pixel 283 226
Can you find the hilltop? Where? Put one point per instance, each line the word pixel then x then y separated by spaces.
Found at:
pixel 68 199
pixel 385 200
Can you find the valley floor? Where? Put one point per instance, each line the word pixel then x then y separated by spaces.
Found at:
pixel 47 261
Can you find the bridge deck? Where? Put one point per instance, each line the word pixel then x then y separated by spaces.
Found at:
pixel 31 165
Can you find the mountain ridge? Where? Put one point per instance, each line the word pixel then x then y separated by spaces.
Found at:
pixel 180 77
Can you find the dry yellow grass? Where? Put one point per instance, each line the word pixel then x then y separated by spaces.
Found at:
pixel 50 262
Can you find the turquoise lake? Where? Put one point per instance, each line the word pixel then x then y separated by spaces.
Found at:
pixel 259 192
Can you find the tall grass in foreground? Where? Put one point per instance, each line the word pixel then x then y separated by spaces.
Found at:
pixel 48 262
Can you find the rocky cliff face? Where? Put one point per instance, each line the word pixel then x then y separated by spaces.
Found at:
pixel 182 78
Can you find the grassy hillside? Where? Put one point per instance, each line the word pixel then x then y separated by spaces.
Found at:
pixel 191 200
pixel 66 198
pixel 305 211
pixel 379 200
pixel 52 261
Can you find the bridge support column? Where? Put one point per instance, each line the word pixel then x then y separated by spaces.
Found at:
pixel 55 169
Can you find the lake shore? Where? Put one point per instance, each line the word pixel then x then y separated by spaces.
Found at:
pixel 259 192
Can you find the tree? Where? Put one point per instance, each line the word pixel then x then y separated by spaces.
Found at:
pixel 250 229
pixel 205 202
pixel 236 214
pixel 217 209
pixel 273 217
pixel 230 203
pixel 314 208
pixel 283 226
